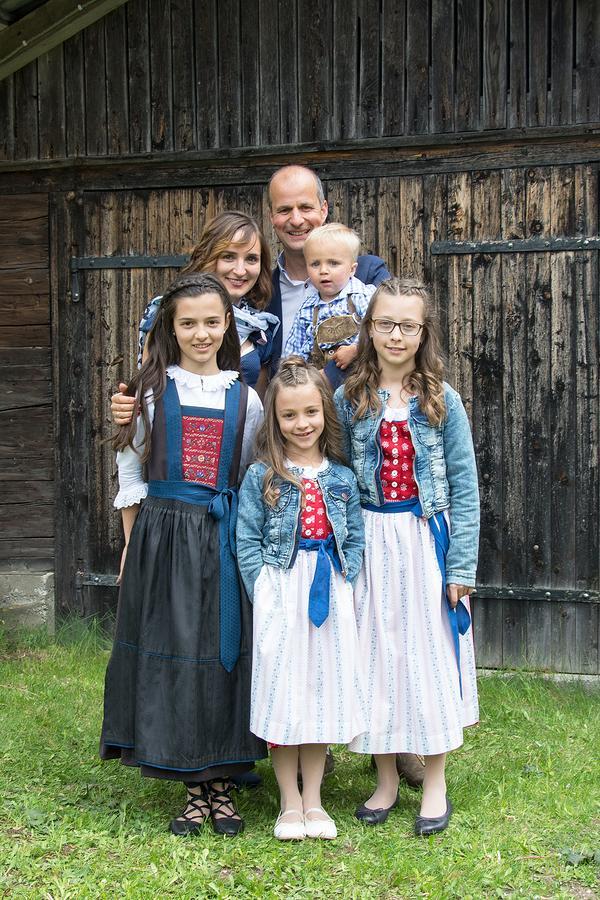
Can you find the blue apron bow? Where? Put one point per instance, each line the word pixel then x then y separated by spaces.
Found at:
pixel 318 598
pixel 459 618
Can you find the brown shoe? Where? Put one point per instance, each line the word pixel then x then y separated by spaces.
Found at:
pixel 411 768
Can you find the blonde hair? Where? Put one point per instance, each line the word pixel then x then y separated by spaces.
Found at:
pixel 270 443
pixel 341 234
pixel 426 381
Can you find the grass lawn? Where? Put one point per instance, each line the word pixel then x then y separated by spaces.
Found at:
pixel 525 786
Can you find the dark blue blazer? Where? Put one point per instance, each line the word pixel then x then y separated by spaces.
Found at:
pixel 370 270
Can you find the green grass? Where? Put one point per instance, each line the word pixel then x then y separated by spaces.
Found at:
pixel 525 786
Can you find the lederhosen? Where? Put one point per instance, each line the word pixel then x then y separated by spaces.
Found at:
pixel 332 332
pixel 177 692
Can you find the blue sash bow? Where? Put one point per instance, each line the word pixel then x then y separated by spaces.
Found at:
pixel 459 618
pixel 318 598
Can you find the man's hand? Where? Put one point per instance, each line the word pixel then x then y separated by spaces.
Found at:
pixel 122 407
pixel 456 592
pixel 345 355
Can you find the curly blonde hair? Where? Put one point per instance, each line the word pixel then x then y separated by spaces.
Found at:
pixel 270 443
pixel 426 381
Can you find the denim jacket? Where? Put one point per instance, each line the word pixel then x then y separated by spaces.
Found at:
pixel 444 469
pixel 267 534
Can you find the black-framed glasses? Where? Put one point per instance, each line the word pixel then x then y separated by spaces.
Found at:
pixel 386 326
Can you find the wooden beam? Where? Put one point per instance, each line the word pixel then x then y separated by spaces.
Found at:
pixel 47 27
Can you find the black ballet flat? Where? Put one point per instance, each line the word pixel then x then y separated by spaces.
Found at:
pixel 424 826
pixel 374 816
pixel 225 817
pixel 195 814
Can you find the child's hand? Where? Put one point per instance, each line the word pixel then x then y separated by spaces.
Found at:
pixel 122 406
pixel 345 355
pixel 456 592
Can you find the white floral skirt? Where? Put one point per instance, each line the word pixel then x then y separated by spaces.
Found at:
pixel 307 682
pixel 414 701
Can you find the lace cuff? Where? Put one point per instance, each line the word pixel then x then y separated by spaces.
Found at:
pixel 131 495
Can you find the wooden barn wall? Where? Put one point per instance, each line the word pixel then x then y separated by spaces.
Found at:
pixel 26 434
pixel 163 76
pixel 522 333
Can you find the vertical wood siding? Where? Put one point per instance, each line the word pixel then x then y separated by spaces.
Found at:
pixel 175 75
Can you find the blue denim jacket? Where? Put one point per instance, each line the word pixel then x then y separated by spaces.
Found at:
pixel 267 534
pixel 444 469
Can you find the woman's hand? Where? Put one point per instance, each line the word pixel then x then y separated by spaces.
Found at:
pixel 456 592
pixel 122 406
pixel 122 566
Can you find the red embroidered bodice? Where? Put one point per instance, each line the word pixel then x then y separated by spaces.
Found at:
pixel 201 448
pixel 397 478
pixel 315 524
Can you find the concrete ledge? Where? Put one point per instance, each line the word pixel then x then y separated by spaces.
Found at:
pixel 27 600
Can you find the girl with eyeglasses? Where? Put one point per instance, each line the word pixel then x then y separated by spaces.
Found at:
pixel 410 445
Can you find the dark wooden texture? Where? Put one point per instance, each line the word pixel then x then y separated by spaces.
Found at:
pixel 522 336
pixel 26 433
pixel 160 76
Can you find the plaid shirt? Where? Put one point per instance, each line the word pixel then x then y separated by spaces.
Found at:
pixel 300 339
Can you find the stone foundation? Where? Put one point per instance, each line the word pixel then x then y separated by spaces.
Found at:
pixel 26 600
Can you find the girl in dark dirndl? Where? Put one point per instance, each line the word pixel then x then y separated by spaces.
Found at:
pixel 177 693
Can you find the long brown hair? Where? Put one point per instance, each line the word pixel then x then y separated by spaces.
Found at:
pixel 217 235
pixel 270 443
pixel 163 351
pixel 426 381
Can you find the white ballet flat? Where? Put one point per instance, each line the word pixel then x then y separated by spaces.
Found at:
pixel 289 831
pixel 320 828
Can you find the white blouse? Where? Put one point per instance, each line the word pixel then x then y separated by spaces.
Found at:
pixel 193 390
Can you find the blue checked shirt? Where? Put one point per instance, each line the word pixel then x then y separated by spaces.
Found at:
pixel 300 339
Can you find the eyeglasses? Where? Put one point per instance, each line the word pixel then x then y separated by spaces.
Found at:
pixel 386 326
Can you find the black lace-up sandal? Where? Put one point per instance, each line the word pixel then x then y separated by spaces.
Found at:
pixel 224 815
pixel 195 814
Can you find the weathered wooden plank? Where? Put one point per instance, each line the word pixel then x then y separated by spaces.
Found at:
pixel 362 211
pixel 488 632
pixel 31 308
pixel 539 390
pixel 517 66
pixel 564 637
pixel 22 494
pixel 336 193
pixel 412 250
pixel 346 72
pixel 538 617
pixel 388 222
pixel 587 624
pixel 315 37
pixel 206 74
pixel 51 104
pixel 181 222
pixel 468 72
pixel 537 99
pixel 435 228
pixel 587 62
pixel 138 43
pixel 493 113
pixel 37 548
pixel 73 54
pixel 25 336
pixel 26 432
pixel 19 468
pixel 460 292
pixel 249 74
pixel 393 49
pixel 19 356
pixel 95 90
pixel 514 382
pixel 269 129
pixel 417 68
pixel 117 93
pixel 514 635
pixel 26 119
pixel 24 232
pixel 21 388
pixel 7 118
pixel 487 373
pixel 442 65
pixel 561 60
pixel 33 519
pixel 161 82
pixel 230 74
pixel 185 101
pixel 289 71
pixel 369 59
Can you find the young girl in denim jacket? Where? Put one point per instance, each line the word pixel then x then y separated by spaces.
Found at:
pixel 412 453
pixel 300 542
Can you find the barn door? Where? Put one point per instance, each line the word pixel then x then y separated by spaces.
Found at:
pixel 524 326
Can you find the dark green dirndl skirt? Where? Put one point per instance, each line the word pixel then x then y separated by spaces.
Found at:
pixel 170 706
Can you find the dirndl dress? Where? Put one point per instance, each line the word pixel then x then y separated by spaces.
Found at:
pixel 307 680
pixel 420 668
pixel 177 690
